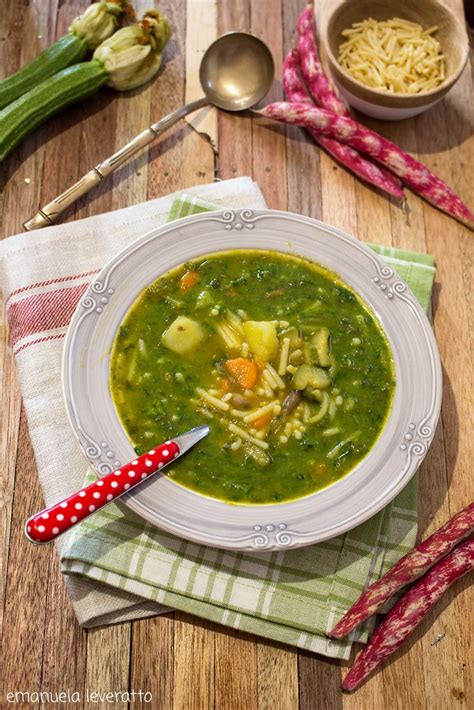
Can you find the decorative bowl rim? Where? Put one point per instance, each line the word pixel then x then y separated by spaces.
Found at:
pixel 271 526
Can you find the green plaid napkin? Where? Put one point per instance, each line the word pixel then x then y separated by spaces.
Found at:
pixel 291 596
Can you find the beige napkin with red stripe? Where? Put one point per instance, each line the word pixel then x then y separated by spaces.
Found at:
pixel 42 275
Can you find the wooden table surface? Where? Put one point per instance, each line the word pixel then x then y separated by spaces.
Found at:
pixel 187 663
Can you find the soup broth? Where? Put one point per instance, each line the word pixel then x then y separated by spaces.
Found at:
pixel 283 360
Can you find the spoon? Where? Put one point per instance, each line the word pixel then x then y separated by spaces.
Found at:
pixel 236 72
pixel 51 522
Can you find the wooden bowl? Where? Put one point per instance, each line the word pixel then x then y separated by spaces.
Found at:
pixel 373 102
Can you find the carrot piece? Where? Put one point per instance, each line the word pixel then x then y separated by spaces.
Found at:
pixel 362 167
pixel 188 280
pixel 320 469
pixel 224 385
pixel 243 370
pixel 263 421
pixel 407 570
pixel 347 130
pixel 408 613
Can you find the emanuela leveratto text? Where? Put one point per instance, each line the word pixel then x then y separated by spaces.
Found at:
pixel 76 696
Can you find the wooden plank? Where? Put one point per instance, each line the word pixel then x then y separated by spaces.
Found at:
pixel 277 681
pixel 452 245
pixel 9 427
pixel 27 582
pixel 202 14
pixel 60 138
pixel 182 157
pixel 95 122
pixel 12 20
pixel 22 170
pixel 64 639
pixel 107 671
pixel 152 660
pixel 375 210
pixel 115 118
pixel 194 679
pixel 319 680
pixel 337 186
pixel 24 31
pixel 236 684
pixel 198 166
pixel 268 139
pixel 303 155
pixel 370 695
pixel 235 130
pixel 165 164
pixel 129 185
pixel 423 655
pixel 199 158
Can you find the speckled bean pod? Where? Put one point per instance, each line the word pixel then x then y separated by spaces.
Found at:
pixel 407 570
pixel 312 70
pixel 344 154
pixel 347 130
pixel 409 612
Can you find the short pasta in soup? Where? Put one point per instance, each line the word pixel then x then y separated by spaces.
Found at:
pixel 283 360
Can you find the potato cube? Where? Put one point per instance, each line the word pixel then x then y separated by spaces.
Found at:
pixel 183 335
pixel 261 337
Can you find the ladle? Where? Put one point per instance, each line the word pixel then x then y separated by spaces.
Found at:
pixel 236 72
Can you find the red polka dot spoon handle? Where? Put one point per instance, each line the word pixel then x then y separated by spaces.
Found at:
pixel 46 525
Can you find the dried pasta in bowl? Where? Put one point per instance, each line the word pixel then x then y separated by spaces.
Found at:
pixel 394 56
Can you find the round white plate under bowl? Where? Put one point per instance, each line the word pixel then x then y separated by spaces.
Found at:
pixel 371 485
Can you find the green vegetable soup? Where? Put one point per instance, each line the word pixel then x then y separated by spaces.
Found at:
pixel 283 360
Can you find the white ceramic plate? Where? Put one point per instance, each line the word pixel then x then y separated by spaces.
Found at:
pixel 350 501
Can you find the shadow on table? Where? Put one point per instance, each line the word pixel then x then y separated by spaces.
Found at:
pixel 436 471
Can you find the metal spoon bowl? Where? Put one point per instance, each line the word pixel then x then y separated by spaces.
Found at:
pixel 236 72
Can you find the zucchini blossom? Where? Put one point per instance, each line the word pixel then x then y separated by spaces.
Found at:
pixel 132 56
pixel 97 23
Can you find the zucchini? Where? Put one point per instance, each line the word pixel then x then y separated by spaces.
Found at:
pixel 87 31
pixel 320 342
pixel 125 60
pixel 35 107
pixel 309 376
pixel 68 50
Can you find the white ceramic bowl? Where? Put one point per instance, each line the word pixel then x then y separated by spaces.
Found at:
pixel 451 35
pixel 371 485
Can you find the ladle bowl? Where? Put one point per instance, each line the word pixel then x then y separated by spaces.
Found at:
pixel 236 71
